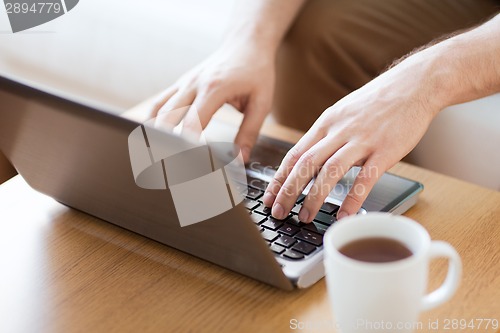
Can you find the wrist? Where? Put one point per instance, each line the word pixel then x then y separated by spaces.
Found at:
pixel 441 76
pixel 261 24
pixel 252 38
pixel 465 67
pixel 426 78
pixel 436 72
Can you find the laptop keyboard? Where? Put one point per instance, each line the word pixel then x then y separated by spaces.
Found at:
pixel 288 238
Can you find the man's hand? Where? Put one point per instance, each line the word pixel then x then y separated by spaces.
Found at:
pixel 378 124
pixel 373 127
pixel 240 75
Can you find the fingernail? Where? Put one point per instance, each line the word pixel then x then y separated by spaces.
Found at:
pixel 278 211
pixel 303 214
pixel 268 199
pixel 341 215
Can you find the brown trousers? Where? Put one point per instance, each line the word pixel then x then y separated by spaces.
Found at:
pixel 336 46
pixel 6 170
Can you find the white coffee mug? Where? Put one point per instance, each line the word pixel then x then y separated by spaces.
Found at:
pixel 378 297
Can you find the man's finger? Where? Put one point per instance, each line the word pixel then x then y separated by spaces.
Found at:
pixel 367 177
pixel 162 99
pixel 331 172
pixel 254 116
pixel 307 141
pixel 304 170
pixel 167 116
pixel 200 113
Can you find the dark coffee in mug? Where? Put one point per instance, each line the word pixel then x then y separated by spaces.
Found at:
pixel 376 250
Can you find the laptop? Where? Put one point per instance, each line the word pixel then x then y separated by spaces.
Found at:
pixel 78 154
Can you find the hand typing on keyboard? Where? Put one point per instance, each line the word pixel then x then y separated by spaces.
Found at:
pixel 288 237
pixel 373 127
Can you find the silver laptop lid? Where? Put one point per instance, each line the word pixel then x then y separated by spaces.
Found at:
pixel 79 156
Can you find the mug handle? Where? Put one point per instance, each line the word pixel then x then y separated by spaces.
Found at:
pixel 450 284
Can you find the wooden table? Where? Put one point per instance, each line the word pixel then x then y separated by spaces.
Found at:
pixel 64 271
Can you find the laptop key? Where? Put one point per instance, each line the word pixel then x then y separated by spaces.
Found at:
pixel 296 209
pixel 285 241
pixel 294 219
pixel 272 224
pixel 316 227
pixel 304 247
pixel 289 229
pixel 329 208
pixel 300 198
pixel 256 183
pixel 253 193
pixel 258 218
pixel 293 254
pixel 269 235
pixel 277 248
pixel 249 204
pixel 262 209
pixel 325 218
pixel 310 237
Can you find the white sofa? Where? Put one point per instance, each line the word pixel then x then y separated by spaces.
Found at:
pixel 119 52
pixel 463 141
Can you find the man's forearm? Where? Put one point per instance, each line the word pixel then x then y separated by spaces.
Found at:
pixel 262 22
pixel 467 66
